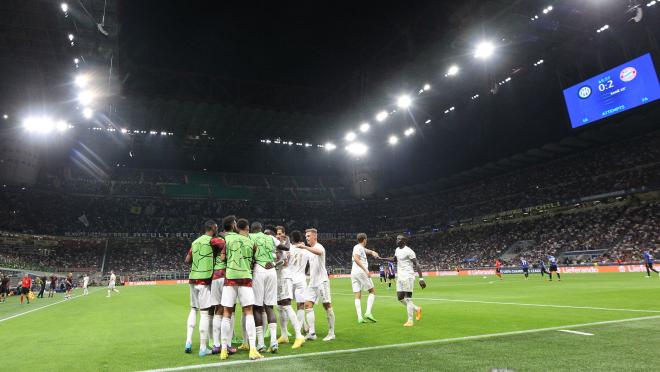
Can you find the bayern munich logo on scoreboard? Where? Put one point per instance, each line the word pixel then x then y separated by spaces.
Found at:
pixel 627 74
pixel 584 92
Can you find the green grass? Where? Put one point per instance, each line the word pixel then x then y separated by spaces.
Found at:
pixel 144 328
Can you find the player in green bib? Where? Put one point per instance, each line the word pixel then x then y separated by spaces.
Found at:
pixel 264 283
pixel 201 258
pixel 240 251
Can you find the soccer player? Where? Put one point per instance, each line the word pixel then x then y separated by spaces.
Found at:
pixel 381 270
pixel 498 268
pixel 285 287
pixel 295 270
pixel 69 285
pixel 542 266
pixel 26 284
pixel 648 262
pixel 200 257
pixel 360 278
pixel 217 243
pixel 407 266
pixel 525 267
pixel 4 288
pixel 264 284
pixel 391 274
pixel 553 267
pixel 319 285
pixel 53 285
pixel 240 252
pixel 85 284
pixel 112 283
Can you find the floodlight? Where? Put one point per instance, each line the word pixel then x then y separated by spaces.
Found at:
pixel 393 140
pixel 87 113
pixel 357 148
pixel 329 146
pixel 350 136
pixel 404 101
pixel 364 127
pixel 484 50
pixel 381 116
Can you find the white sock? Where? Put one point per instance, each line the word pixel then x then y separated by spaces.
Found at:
pixel 225 331
pixel 293 319
pixel 310 320
pixel 411 308
pixel 108 293
pixel 281 319
pixel 231 328
pixel 370 302
pixel 331 321
pixel 273 333
pixel 217 325
pixel 301 317
pixel 203 329
pixel 260 336
pixel 250 330
pixel 190 325
pixel 358 308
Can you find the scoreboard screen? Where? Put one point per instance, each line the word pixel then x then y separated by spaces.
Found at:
pixel 622 88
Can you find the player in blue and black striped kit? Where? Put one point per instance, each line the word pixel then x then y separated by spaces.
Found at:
pixel 542 267
pixel 525 267
pixel 648 262
pixel 553 267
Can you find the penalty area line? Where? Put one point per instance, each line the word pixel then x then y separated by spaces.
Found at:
pixel 575 332
pixel 406 344
pixel 41 307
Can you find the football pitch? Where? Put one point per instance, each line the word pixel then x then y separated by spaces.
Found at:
pixel 468 323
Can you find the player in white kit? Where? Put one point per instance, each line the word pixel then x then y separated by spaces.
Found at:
pixel 294 275
pixel 111 284
pixel 85 284
pixel 319 285
pixel 405 278
pixel 360 278
pixel 285 288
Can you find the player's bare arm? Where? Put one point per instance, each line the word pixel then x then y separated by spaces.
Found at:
pixel 422 283
pixel 371 253
pixel 314 250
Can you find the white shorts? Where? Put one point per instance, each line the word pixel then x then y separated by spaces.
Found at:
pixel 200 296
pixel 322 292
pixel 84 286
pixel 111 285
pixel 361 282
pixel 264 284
pixel 405 284
pixel 288 290
pixel 283 289
pixel 230 294
pixel 216 291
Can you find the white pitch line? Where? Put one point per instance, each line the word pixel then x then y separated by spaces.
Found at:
pixel 526 304
pixel 575 332
pixel 406 344
pixel 39 308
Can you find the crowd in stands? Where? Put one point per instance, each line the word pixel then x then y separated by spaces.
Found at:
pixel 133 201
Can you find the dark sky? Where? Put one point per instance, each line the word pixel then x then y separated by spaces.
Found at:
pixel 328 46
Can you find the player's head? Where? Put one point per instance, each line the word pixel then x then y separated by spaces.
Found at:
pixel 25 275
pixel 401 241
pixel 269 232
pixel 296 237
pixel 243 225
pixel 280 232
pixel 112 272
pixel 362 238
pixel 210 227
pixel 229 223
pixel 256 227
pixel 311 236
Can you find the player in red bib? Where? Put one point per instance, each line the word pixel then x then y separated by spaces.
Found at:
pixel 498 268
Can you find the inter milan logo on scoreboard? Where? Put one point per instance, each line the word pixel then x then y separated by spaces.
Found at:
pixel 584 92
pixel 627 74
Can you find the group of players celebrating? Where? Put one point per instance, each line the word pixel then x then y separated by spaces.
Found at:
pixel 260 269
